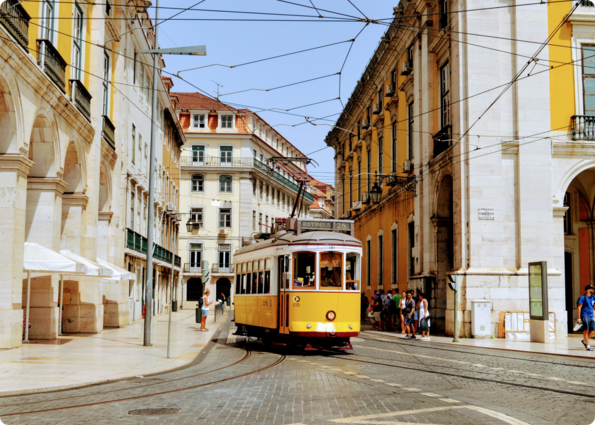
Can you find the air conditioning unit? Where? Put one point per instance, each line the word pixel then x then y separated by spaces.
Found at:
pixel 391 179
pixel 222 232
pixel 365 124
pixel 365 198
pixel 406 68
pixel 376 109
pixel 357 205
pixel 407 166
pixel 390 91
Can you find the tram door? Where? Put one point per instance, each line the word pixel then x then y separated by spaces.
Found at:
pixel 283 282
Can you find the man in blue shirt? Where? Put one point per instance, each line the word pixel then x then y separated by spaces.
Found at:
pixel 585 314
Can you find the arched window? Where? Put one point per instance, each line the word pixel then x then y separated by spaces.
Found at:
pixel 198 183
pixel 225 184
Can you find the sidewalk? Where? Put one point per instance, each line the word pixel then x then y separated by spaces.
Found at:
pixel 571 346
pixel 82 359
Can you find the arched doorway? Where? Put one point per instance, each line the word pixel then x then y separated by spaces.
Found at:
pixel 194 289
pixel 223 285
pixel 8 122
pixel 73 201
pixel 444 239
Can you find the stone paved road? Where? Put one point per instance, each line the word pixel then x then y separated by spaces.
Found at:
pixel 385 380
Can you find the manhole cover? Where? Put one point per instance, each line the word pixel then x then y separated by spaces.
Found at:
pixel 144 380
pixel 154 412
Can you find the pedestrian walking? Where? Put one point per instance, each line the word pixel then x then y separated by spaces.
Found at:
pixel 409 310
pixel 424 317
pixel 402 305
pixel 222 300
pixel 397 298
pixel 364 306
pixel 586 316
pixel 377 309
pixel 204 306
pixel 386 314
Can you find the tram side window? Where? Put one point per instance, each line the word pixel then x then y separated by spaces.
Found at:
pixel 238 284
pixel 260 283
pixel 304 270
pixel 244 279
pixel 267 282
pixel 352 271
pixel 331 270
pixel 255 283
pixel 248 280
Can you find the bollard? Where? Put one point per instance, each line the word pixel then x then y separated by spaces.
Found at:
pixel 174 305
pixel 198 314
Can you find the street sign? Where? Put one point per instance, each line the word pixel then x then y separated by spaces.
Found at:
pixel 486 214
pixel 205 271
pixel 538 301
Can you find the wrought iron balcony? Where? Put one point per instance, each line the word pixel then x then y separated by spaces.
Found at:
pixel 52 62
pixel 16 21
pixel 442 140
pixel 275 175
pixel 223 268
pixel 81 97
pixel 214 161
pixel 138 243
pixel 583 127
pixel 108 132
pixel 192 268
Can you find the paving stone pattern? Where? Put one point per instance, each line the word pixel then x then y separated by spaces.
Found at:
pixel 431 383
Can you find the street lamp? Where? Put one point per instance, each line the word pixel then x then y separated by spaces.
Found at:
pixel 189 226
pixel 195 50
pixel 376 193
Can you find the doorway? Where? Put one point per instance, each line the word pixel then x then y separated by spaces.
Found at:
pixel 568 290
pixel 194 289
pixel 223 286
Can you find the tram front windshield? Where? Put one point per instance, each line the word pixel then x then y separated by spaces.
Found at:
pixel 331 270
pixel 304 270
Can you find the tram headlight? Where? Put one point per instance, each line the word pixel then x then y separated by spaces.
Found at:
pixel 331 315
pixel 309 326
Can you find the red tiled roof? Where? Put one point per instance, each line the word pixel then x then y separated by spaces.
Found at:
pixel 193 101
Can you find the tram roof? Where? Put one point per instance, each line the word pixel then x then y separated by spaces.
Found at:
pixel 309 238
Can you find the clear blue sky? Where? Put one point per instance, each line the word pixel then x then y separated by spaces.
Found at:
pixel 236 42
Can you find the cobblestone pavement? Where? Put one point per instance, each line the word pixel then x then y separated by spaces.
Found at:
pixel 383 381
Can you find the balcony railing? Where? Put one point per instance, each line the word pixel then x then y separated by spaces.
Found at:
pixel 215 161
pixel 222 268
pixel 81 97
pixel 138 243
pixel 52 63
pixel 280 178
pixel 192 268
pixel 108 132
pixel 442 140
pixel 583 127
pixel 16 21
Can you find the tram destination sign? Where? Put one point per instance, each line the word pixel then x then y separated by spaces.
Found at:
pixel 302 226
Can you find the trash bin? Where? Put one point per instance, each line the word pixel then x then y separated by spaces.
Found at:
pixel 198 314
pixel 228 302
pixel 174 305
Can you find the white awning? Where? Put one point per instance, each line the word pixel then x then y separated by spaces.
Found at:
pixel 93 268
pixel 119 273
pixel 40 259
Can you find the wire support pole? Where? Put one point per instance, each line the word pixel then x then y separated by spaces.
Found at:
pixel 171 293
pixel 150 221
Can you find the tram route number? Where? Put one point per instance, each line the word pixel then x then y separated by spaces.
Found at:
pixel 296 301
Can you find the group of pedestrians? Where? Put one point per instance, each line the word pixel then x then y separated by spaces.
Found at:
pixel 409 311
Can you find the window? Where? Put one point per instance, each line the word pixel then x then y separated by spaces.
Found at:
pixel 132 211
pixel 277 145
pixel 227 121
pixel 567 220
pixel 589 79
pixel 443 19
pixel 394 148
pixel 380 261
pixel 261 158
pixel 266 135
pixel 410 120
pixel 393 80
pixel 254 221
pixel 411 228
pixel 134 67
pixel 260 130
pixel 410 56
pixel 359 132
pixel 198 183
pixel 260 222
pixel 141 78
pixel 198 155
pixel 359 179
pixel 253 187
pixel 380 155
pixel 283 198
pixel 278 197
pixel 225 218
pixel 77 40
pixel 369 263
pixel 195 257
pixel 267 192
pixel 331 270
pixel 133 143
pixel 369 171
pixel 253 125
pixel 226 155
pixel 380 99
pixel 445 95
pixel 198 121
pixel 261 189
pixel 47 20
pixel 352 272
pixel 394 256
pixel 304 270
pixel 266 223
pixel 224 257
pixel 368 114
pixel 225 184
pixel 106 79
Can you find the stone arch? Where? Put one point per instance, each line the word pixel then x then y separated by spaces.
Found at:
pixel 105 189
pixel 568 177
pixel 75 168
pixel 11 114
pixel 44 146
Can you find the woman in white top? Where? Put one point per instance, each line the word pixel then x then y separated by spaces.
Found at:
pixel 402 306
pixel 205 310
pixel 424 317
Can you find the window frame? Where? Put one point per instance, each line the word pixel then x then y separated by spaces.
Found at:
pixel 105 83
pixel 410 126
pixel 228 150
pixel 225 179
pixel 196 121
pixel 293 271
pixel 200 178
pixel 220 215
pixel 331 288
pixel 77 42
pixel 445 110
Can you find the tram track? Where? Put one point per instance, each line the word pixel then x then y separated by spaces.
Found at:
pixel 431 346
pixel 275 363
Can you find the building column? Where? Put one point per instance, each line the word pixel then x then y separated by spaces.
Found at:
pixel 13 200
pixel 73 205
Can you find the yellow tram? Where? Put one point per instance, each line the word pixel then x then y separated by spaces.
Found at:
pixel 301 287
